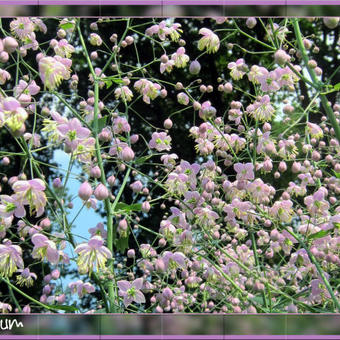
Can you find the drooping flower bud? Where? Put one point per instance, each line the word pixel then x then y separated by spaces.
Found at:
pixel 101 192
pixel 127 154
pixel 195 67
pixel 85 191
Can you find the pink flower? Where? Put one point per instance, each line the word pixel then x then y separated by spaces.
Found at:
pixel 73 133
pixel 207 110
pixel 120 124
pixel 4 76
pixel 148 89
pixel 237 69
pixel 44 248
pixel 282 210
pixel 10 206
pixel 92 255
pixel 98 230
pixel 160 141
pixel 261 109
pixel 164 29
pixel 123 92
pixel 256 72
pixel 81 288
pixel 62 48
pixel 316 203
pixel 22 27
pixel 244 171
pixel 182 98
pixel 10 259
pixel 131 291
pixel 179 58
pixel 269 82
pixel 259 191
pixel 54 70
pixel 314 130
pixel 167 66
pixel 5 308
pixel 205 216
pixel 12 114
pixel 26 278
pixel 210 41
pixel 173 260
pixel 32 193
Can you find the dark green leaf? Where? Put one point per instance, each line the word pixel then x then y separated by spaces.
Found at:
pixel 141 160
pixel 125 207
pixel 122 244
pixel 336 87
pixel 67 26
pixel 319 234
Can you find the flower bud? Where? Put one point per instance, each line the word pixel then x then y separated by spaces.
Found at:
pixel 281 57
pixel 331 22
pixel 146 207
pixel 57 183
pixel 5 161
pixel 131 253
pixel 228 87
pixel 251 22
pixel 195 67
pixel 296 167
pixel 136 186
pixel 55 274
pixel 95 172
pixel 160 266
pixel 111 180
pixel 26 309
pixel 85 191
pixel 167 293
pixel 45 223
pixel 167 123
pixel 101 192
pixel 10 44
pixel 4 57
pixel 127 154
pixel 134 139
pixel 282 166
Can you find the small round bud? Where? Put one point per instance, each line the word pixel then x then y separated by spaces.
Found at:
pixel 101 192
pixel 167 123
pixel 85 191
pixel 251 22
pixel 195 67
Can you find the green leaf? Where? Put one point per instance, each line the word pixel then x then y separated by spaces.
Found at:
pixel 115 80
pixel 108 83
pixel 127 208
pixel 337 174
pixel 67 26
pixel 336 87
pixel 319 234
pixel 66 308
pixel 122 244
pixel 110 80
pixel 141 160
pixel 101 123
